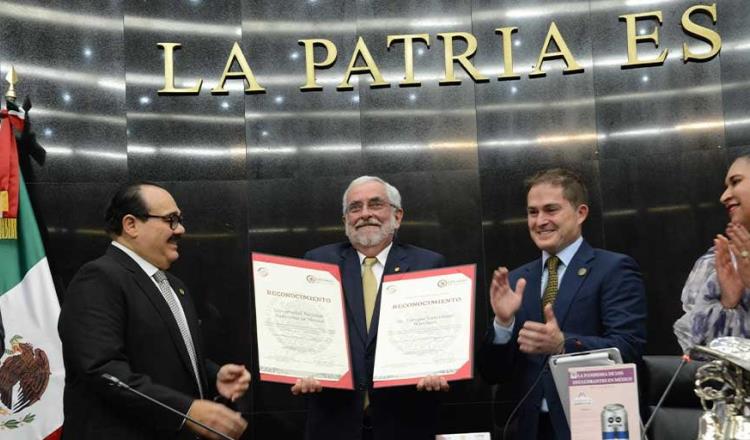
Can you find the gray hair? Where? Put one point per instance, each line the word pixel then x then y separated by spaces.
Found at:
pixel 394 197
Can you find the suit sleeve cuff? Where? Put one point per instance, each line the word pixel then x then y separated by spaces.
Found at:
pixel 502 333
pixel 574 344
pixel 187 412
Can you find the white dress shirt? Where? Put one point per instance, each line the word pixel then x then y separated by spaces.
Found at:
pixel 379 267
pixel 150 270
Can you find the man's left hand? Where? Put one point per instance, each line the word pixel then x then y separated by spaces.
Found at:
pixel 538 338
pixel 433 383
pixel 232 381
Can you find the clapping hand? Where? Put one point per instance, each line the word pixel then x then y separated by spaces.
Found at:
pixel 505 301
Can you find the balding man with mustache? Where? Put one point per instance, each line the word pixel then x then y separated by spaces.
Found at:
pixel 372 214
pixel 125 316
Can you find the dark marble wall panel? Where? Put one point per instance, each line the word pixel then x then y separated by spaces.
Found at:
pixel 199 137
pixel 426 128
pixel 292 133
pixel 71 220
pixel 528 121
pixel 663 210
pixel 70 63
pixel 735 63
pixel 651 110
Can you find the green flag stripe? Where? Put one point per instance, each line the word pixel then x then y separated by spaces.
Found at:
pixel 20 255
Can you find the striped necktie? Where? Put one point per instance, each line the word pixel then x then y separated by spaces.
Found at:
pixel 550 292
pixel 179 316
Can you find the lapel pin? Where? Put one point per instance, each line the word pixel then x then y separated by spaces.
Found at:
pixel 397 269
pixel 581 271
pixel 182 291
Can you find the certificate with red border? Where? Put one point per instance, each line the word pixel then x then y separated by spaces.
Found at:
pixel 426 326
pixel 301 321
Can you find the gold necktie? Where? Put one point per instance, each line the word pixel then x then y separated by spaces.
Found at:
pixel 550 292
pixel 369 288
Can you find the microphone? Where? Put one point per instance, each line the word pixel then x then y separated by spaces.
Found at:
pixel 120 384
pixel 533 385
pixel 525 396
pixel 683 362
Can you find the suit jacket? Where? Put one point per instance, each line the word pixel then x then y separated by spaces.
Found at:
pixel 396 413
pixel 114 320
pixel 600 303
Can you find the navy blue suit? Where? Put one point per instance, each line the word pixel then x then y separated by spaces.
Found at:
pixel 397 413
pixel 600 303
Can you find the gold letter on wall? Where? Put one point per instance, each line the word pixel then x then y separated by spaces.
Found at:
pixel 634 39
pixel 245 73
pixel 311 65
pixel 369 67
pixel 700 32
pixel 408 54
pixel 506 34
pixel 463 59
pixel 571 65
pixel 169 88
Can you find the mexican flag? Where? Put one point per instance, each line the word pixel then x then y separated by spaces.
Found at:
pixel 32 375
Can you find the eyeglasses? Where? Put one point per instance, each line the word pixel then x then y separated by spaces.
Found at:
pixel 173 219
pixel 372 205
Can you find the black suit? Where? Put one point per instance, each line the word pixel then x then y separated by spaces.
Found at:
pixel 114 320
pixel 397 413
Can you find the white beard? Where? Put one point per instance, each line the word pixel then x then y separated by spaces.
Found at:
pixel 367 238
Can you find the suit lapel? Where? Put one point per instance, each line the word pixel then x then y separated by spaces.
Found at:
pixel 351 273
pixel 154 296
pixel 574 276
pixel 397 262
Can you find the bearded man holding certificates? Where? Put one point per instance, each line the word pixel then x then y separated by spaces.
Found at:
pixel 372 214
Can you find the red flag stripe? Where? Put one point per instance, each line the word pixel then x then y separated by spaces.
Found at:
pixel 9 160
pixel 55 435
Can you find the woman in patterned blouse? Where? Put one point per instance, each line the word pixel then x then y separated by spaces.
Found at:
pixel 716 296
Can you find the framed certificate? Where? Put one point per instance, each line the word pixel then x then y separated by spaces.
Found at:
pixel 426 326
pixel 301 321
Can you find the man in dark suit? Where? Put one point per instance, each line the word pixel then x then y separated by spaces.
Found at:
pixel 576 298
pixel 123 315
pixel 372 215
